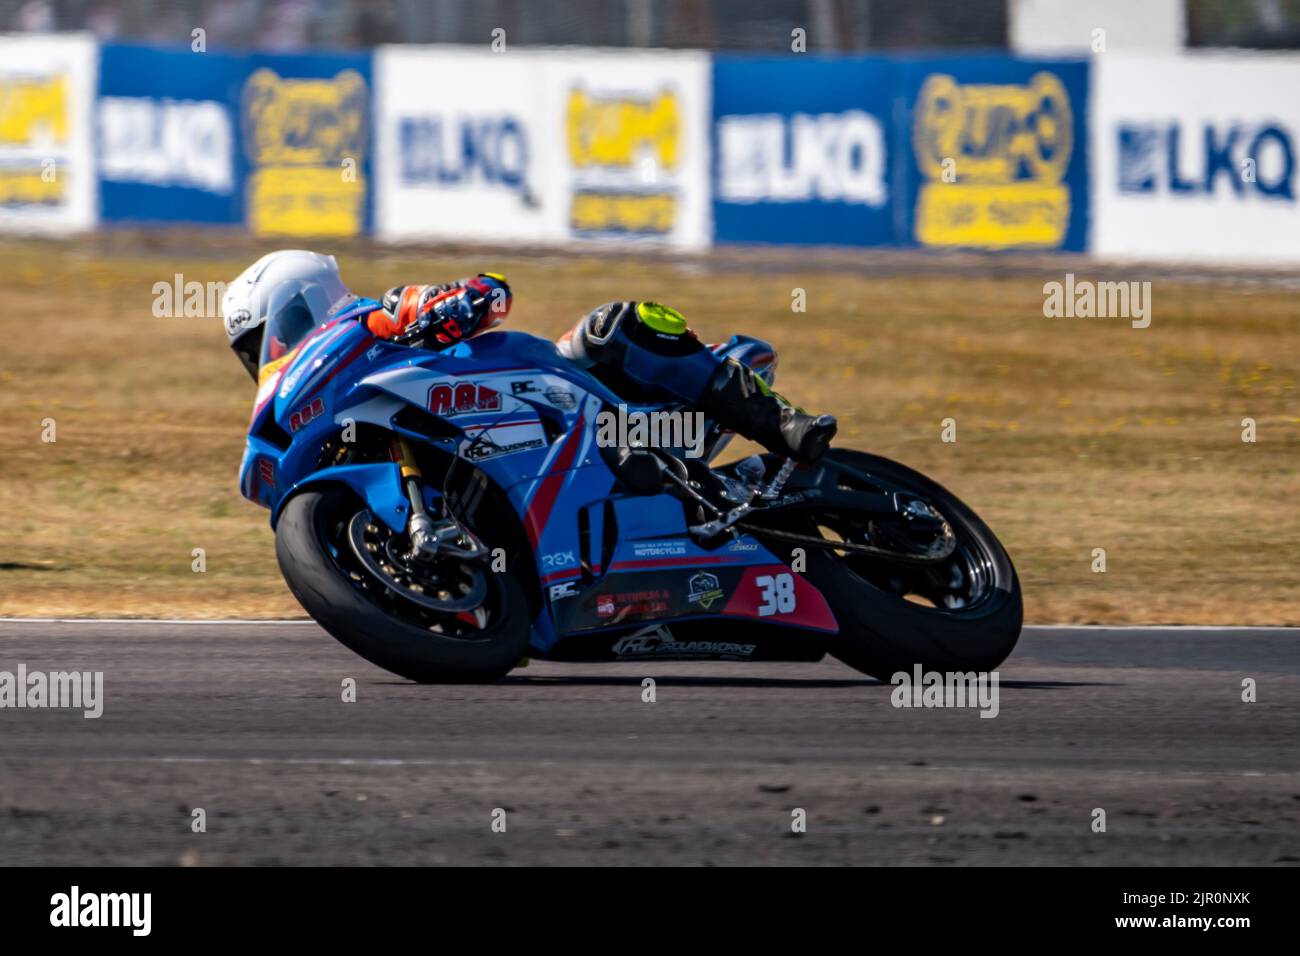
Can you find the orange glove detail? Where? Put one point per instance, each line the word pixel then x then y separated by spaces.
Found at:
pixel 399 312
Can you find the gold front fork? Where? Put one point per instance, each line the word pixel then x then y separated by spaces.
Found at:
pixel 402 454
pixel 424 537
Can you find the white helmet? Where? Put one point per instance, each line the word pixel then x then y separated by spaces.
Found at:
pixel 289 292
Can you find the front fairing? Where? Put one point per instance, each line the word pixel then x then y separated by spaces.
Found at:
pixel 290 418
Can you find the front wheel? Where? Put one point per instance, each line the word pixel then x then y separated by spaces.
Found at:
pixel 962 612
pixel 382 621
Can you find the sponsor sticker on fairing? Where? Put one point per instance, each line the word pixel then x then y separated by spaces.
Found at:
pixel 305 415
pixel 565 589
pixel 659 549
pixel 480 449
pixel 659 642
pixel 632 603
pixel 561 397
pixel 704 590
pixel 461 398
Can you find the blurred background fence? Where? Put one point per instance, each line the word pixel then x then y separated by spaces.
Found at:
pixel 755 25
pixel 745 25
pixel 1084 126
pixel 696 24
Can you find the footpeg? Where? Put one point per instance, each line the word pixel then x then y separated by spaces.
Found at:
pixel 773 490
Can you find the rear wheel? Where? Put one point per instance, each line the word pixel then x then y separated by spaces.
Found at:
pixel 961 612
pixel 411 619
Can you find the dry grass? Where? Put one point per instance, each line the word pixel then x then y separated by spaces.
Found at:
pixel 1072 434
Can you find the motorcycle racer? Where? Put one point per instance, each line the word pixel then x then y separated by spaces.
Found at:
pixel 641 350
pixel 620 552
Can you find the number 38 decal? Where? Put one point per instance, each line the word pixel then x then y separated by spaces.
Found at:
pixel 777 593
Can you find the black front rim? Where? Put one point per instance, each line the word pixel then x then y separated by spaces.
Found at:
pixel 445 576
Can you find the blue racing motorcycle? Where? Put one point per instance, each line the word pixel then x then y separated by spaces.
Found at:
pixel 447 514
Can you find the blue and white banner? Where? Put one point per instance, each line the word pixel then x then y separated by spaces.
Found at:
pixel 1188 157
pixel 458 145
pixel 167 134
pixel 802 150
pixel 1195 157
pixel 281 143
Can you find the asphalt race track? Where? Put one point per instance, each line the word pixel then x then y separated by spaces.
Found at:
pixel 247 722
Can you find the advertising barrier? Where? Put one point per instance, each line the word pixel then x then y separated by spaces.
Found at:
pixel 280 143
pixel 626 142
pixel 47 168
pixel 1188 157
pixel 1195 157
pixel 998 152
pixel 802 150
pixel 168 136
pixel 458 144
pixel 306 131
pixel 543 145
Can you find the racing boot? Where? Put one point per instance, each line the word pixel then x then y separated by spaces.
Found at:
pixel 738 399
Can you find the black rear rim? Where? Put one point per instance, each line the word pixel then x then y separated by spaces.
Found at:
pixel 961 582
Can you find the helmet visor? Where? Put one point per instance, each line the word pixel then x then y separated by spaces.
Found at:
pixel 294 310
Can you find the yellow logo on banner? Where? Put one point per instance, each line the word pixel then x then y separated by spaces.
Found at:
pixel 33 110
pixel 629 137
pixel 306 140
pixel 33 116
pixel 623 212
pixel 29 187
pixel 618 131
pixel 994 158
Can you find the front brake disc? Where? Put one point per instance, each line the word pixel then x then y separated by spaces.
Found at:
pixel 370 540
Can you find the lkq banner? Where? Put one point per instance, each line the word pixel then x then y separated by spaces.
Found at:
pixel 998 152
pixel 167 130
pixel 802 149
pixel 1195 157
pixel 459 144
pixel 47 175
pixel 626 146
